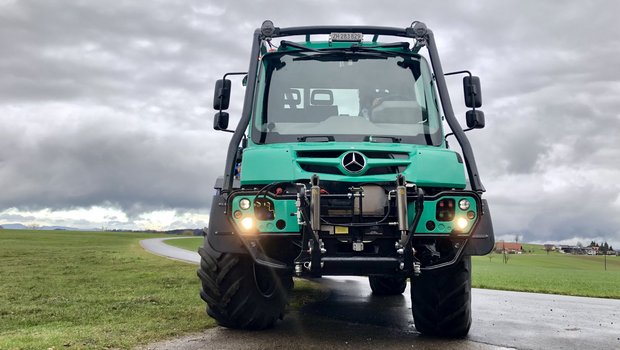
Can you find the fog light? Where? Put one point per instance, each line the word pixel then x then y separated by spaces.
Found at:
pixel 464 204
pixel 247 223
pixel 461 223
pixel 430 225
pixel 244 204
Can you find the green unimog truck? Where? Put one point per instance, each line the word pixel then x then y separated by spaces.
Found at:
pixel 340 165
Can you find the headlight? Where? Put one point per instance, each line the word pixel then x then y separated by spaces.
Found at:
pixel 461 223
pixel 464 204
pixel 244 204
pixel 247 223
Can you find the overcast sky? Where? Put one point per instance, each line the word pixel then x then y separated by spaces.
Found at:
pixel 106 120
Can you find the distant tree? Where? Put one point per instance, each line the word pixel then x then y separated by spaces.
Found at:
pixel 611 249
pixel 517 238
pixel 34 226
pixel 506 257
pixel 593 244
pixel 604 248
pixel 504 253
pixel 548 248
pixel 579 245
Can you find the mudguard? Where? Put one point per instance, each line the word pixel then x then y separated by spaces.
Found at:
pixel 220 233
pixel 482 240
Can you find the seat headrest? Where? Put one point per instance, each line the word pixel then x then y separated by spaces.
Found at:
pixel 322 97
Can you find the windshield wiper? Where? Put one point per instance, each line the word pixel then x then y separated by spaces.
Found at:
pixel 376 48
pixel 353 49
pixel 337 54
pixel 374 138
pixel 325 137
pixel 301 47
pixel 402 45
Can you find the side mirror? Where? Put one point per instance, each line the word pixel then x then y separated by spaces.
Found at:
pixel 472 92
pixel 475 119
pixel 221 97
pixel 220 121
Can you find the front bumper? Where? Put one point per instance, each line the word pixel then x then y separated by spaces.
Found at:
pixel 225 235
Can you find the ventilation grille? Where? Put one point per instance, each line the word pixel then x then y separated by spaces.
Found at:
pixel 330 162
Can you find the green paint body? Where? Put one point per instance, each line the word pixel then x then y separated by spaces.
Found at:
pixel 426 166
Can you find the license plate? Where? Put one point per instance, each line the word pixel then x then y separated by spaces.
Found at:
pixel 346 37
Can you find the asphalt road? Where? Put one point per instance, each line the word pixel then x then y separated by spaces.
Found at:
pixel 351 317
pixel 157 246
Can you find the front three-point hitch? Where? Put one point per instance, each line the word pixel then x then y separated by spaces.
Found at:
pixel 313 254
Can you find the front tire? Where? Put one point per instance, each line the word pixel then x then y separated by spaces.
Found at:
pixel 385 285
pixel 239 293
pixel 441 300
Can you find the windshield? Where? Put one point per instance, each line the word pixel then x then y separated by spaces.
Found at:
pixel 346 97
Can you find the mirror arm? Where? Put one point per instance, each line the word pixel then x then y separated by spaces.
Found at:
pixel 451 133
pixel 459 72
pixel 473 108
pixel 473 94
pixel 221 96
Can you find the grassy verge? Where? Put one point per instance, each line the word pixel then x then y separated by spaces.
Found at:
pixel 554 273
pixel 191 243
pixel 79 290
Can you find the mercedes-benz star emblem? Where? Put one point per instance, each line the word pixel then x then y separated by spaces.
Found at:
pixel 354 162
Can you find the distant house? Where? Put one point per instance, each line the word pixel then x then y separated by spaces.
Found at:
pixel 508 247
pixel 591 250
pixel 572 249
pixel 562 248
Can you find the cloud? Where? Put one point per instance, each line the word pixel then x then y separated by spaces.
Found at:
pixel 109 105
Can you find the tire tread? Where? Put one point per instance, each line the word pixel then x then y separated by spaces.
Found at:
pixel 441 301
pixel 231 294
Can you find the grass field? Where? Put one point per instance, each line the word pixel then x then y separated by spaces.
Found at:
pixel 554 273
pixel 96 290
pixel 533 272
pixel 186 243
